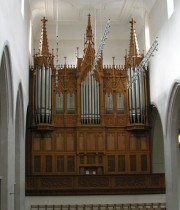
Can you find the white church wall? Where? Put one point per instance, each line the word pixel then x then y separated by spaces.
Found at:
pixel 115 45
pixel 97 199
pixel 165 63
pixel 68 49
pixel 14 35
pixel 157 143
pixel 164 72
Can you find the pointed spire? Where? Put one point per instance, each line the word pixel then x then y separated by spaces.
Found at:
pixel 133 46
pixel 89 30
pixel 43 45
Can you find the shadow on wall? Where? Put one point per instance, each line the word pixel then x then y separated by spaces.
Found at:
pixel 157 142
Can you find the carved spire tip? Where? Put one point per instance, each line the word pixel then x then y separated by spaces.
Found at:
pixel 43 44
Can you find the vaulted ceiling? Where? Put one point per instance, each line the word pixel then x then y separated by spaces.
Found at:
pixel 70 16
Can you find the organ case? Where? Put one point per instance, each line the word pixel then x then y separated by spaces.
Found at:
pixel 86 122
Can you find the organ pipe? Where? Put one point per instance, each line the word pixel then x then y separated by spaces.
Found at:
pixel 47 95
pixel 136 96
pixel 89 100
pixel 142 94
pixel 43 94
pixel 129 96
pixel 133 99
pixel 49 98
pixel 43 83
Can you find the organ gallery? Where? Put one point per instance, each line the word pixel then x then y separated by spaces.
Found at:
pixel 87 132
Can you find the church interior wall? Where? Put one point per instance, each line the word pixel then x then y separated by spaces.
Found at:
pixel 164 78
pixel 96 199
pixel 172 155
pixel 116 45
pixel 163 65
pixel 14 38
pixel 66 50
pixel 157 144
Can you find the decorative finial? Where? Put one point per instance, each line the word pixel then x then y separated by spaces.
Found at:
pixel 133 46
pixel 89 29
pixel 65 60
pixel 43 44
pixel 77 52
pixel 113 60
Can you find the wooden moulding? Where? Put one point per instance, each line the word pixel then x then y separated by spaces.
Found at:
pixel 95 184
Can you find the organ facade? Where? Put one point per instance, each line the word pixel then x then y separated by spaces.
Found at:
pixel 87 130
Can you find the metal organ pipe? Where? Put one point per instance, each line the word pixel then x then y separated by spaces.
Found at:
pixel 43 83
pixel 136 95
pixel 89 100
pixel 98 120
pixel 129 95
pixel 93 104
pixel 133 99
pixel 84 99
pixel 49 90
pixel 43 95
pixel 95 100
pixel 47 93
pixel 142 94
pixel 36 94
pixel 39 94
pixel 137 98
pixel 90 93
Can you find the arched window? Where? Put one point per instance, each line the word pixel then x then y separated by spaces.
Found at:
pixel 170 7
pixel 6 115
pixel 22 8
pixel 147 32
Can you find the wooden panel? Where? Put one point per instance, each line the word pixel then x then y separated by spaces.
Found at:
pixel 143 162
pixel 121 163
pixel 132 163
pixel 70 142
pixel 47 144
pixel 81 144
pixel 70 164
pixel 91 142
pixel 60 146
pixel 133 142
pixel 121 141
pixel 82 159
pixel 95 185
pixel 36 144
pixel 48 163
pixel 111 141
pixel 60 163
pixel 100 142
pixel 37 163
pixel 144 142
pixel 91 158
pixel 111 163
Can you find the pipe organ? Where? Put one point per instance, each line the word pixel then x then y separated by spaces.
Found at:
pixel 85 123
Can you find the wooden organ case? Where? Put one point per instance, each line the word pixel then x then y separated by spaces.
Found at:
pixel 88 133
